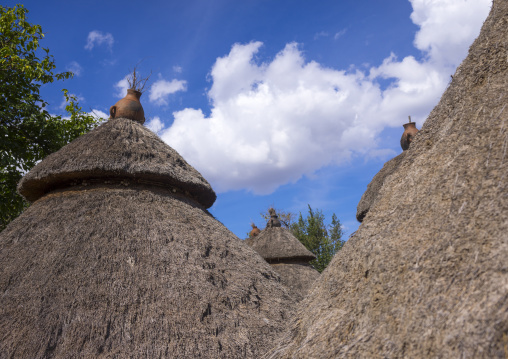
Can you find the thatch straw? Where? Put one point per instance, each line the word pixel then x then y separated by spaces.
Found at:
pixel 371 194
pixel 297 276
pixel 425 275
pixel 104 270
pixel 119 150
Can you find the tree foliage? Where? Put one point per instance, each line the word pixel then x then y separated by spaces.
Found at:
pixel 321 239
pixel 28 132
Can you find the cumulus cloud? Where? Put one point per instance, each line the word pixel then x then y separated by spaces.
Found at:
pixel 155 124
pixel 98 38
pixel 121 87
pixel 99 114
pixel 271 123
pixel 447 27
pixel 161 89
pixel 75 68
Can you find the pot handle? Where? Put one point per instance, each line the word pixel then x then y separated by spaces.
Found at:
pixel 112 111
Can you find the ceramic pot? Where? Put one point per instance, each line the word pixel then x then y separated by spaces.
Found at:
pixel 129 107
pixel 407 136
pixel 255 231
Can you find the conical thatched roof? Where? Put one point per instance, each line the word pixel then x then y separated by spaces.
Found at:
pixel 116 259
pixel 287 255
pixel 426 274
pixel 277 243
pixel 371 194
pixel 119 150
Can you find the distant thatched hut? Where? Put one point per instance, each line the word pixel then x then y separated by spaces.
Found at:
pixel 426 274
pixel 279 247
pixel 118 257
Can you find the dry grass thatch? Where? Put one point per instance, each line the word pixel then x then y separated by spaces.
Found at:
pixel 288 256
pixel 277 243
pixel 371 194
pixel 297 276
pixel 425 275
pixel 104 270
pixel 119 150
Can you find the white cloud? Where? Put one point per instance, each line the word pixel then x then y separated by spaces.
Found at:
pixel 177 69
pixel 98 38
pixel 121 87
pixel 75 68
pixel 161 89
pixel 273 122
pixel 447 27
pixel 99 113
pixel 339 34
pixel 320 34
pixel 155 124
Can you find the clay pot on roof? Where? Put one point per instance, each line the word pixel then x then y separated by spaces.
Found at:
pixel 255 231
pixel 129 107
pixel 410 131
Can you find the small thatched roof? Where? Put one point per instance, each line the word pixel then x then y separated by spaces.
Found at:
pixel 287 255
pixel 117 150
pixel 118 258
pixel 371 194
pixel 426 274
pixel 277 244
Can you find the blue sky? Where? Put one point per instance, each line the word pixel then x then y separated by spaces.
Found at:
pixel 282 103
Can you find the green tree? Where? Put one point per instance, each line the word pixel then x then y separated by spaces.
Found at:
pixel 28 132
pixel 322 240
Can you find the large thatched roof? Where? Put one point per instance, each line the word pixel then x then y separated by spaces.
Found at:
pixel 277 243
pixel 119 150
pixel 371 194
pixel 130 268
pixel 426 274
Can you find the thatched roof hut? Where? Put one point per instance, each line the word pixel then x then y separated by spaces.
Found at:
pixel 426 274
pixel 117 257
pixel 287 255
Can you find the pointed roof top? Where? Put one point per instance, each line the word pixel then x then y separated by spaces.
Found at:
pixel 276 243
pixel 274 219
pixel 119 150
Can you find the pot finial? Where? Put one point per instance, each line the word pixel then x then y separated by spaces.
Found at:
pixel 407 136
pixel 274 219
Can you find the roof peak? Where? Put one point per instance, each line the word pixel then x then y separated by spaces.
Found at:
pixel 274 221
